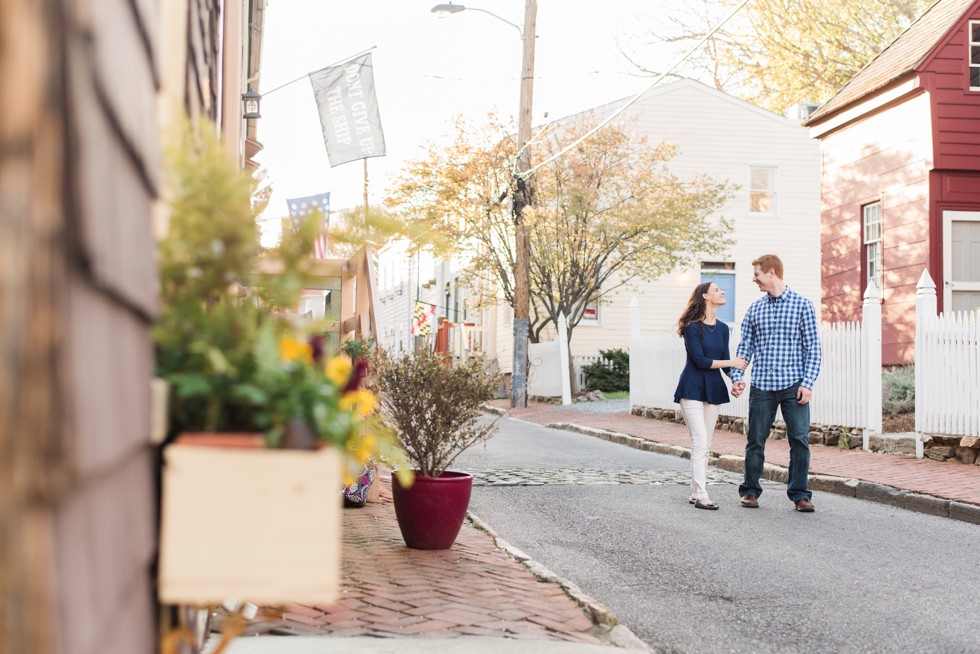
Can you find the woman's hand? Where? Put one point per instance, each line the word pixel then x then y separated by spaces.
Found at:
pixel 739 362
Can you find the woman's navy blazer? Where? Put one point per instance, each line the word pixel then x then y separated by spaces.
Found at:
pixel 704 344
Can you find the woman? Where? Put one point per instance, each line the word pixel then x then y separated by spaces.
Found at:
pixel 701 390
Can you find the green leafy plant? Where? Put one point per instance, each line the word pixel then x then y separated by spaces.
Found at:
pixel 612 374
pixel 434 407
pixel 235 360
pixel 898 390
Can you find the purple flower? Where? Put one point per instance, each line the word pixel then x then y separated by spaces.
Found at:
pixel 316 345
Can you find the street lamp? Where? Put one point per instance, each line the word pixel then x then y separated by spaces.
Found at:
pixel 250 105
pixel 522 195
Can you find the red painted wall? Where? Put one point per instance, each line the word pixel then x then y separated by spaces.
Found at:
pixel 955 109
pixel 886 157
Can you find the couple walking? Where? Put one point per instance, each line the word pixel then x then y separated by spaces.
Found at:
pixel 779 338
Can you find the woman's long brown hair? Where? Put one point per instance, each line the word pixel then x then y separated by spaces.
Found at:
pixel 696 306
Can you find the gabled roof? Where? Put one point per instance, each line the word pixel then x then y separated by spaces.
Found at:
pixel 901 57
pixel 688 83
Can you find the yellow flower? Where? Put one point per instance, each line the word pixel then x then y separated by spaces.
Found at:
pixel 363 401
pixel 292 349
pixel 362 448
pixel 338 370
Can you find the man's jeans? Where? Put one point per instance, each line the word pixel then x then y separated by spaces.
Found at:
pixel 762 413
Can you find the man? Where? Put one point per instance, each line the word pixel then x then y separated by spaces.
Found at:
pixel 780 341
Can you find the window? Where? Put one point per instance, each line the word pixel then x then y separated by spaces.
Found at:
pixel 591 313
pixel 871 216
pixel 762 190
pixel 723 275
pixel 974 55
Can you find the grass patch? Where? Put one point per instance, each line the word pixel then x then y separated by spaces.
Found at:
pixel 617 395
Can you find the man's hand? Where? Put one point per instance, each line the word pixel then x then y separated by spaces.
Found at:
pixel 802 395
pixel 737 388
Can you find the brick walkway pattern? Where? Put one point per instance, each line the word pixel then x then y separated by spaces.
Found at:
pixel 472 589
pixel 947 480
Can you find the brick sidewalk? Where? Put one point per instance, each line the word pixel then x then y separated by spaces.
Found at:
pixel 472 589
pixel 947 480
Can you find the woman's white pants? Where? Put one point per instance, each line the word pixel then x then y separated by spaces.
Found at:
pixel 700 418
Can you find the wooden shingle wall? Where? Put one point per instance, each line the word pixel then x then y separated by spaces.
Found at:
pixel 104 540
pixel 79 171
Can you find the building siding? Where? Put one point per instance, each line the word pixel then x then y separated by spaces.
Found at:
pixel 722 137
pixel 886 157
pixel 956 109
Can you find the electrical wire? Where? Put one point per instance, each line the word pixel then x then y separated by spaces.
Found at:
pixel 527 173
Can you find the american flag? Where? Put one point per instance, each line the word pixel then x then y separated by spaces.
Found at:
pixel 299 208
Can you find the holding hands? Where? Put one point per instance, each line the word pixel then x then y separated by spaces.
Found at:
pixel 737 388
pixel 739 362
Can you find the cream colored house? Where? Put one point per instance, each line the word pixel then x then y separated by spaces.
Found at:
pixel 776 209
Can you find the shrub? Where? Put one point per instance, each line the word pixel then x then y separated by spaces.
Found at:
pixel 433 406
pixel 898 390
pixel 610 375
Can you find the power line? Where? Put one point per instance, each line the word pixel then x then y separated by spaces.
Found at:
pixel 302 77
pixel 526 174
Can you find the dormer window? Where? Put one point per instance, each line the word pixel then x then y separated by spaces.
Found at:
pixel 975 55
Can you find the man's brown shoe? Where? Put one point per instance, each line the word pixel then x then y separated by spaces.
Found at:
pixel 749 502
pixel 804 506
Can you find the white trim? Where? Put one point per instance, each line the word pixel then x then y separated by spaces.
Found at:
pixel 970 44
pixel 774 213
pixel 948 285
pixel 700 86
pixel 865 107
pixel 592 322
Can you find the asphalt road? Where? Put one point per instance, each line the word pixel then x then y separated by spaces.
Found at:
pixel 852 577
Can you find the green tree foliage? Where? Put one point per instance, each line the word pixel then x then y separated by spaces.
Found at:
pixel 610 375
pixel 605 214
pixel 218 328
pixel 777 53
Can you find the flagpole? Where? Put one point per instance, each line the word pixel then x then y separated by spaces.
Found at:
pixel 365 197
pixel 302 77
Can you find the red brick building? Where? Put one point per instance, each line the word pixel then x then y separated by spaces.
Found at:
pixel 900 178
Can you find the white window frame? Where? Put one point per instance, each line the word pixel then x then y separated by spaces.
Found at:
pixel 973 54
pixel 592 322
pixel 774 190
pixel 871 239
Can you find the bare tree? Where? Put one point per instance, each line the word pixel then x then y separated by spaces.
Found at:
pixel 777 53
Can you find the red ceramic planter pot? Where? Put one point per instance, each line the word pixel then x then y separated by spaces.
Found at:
pixel 431 512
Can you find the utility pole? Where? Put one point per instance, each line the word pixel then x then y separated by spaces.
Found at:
pixel 522 197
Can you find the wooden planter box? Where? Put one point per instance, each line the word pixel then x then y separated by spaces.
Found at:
pixel 261 525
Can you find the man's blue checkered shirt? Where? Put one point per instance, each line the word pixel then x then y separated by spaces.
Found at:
pixel 780 340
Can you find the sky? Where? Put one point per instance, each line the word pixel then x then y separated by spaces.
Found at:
pixel 429 68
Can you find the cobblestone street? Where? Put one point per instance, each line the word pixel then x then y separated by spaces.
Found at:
pixel 585 476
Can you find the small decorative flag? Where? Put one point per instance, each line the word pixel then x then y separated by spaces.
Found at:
pixel 299 208
pixel 424 317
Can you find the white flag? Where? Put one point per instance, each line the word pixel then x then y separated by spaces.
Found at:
pixel 348 106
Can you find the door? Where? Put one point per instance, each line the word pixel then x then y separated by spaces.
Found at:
pixel 961 260
pixel 726 282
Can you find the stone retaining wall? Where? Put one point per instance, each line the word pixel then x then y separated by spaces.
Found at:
pixel 939 448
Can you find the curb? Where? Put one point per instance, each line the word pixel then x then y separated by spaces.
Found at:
pixel 856 488
pixel 615 633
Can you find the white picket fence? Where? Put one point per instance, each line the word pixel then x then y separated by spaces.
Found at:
pixel 656 362
pixel 947 367
pixel 848 390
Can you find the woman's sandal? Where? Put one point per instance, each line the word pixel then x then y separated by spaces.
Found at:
pixel 710 506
